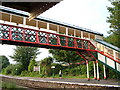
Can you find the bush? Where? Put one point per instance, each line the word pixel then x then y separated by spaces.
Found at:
pixel 24 73
pixel 14 69
pixel 58 67
pixel 8 69
pixel 17 69
pixel 31 74
pixel 31 65
pixel 83 69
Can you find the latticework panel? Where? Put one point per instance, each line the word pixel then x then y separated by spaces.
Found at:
pixel 41 37
pixel 4 32
pixel 52 39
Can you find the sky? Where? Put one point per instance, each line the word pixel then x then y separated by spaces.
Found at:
pixel 91 14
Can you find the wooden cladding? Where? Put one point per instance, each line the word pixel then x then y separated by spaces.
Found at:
pixel 71 32
pixel 17 19
pixel 46 25
pixel 42 24
pixel 53 27
pixel 85 34
pixel 5 16
pixel 31 22
pixel 92 36
pixel 62 30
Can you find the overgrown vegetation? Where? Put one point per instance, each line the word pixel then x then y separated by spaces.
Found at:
pixel 23 55
pixel 4 62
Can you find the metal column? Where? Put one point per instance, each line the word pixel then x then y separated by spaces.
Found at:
pixel 94 70
pixel 98 78
pixel 104 72
pixel 87 70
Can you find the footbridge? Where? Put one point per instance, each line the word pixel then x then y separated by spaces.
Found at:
pixel 16 29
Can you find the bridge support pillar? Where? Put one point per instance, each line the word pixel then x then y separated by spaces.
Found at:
pixel 104 72
pixel 87 70
pixel 94 70
pixel 98 78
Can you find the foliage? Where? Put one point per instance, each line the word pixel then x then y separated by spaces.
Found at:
pixel 8 69
pixel 32 64
pixel 46 65
pixel 23 55
pixel 24 73
pixel 13 69
pixel 17 69
pixel 65 56
pixel 58 67
pixel 71 71
pixel 113 39
pixel 114 20
pixel 30 74
pixel 4 62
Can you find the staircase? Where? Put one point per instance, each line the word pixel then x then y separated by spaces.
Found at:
pixel 87 55
pixel 109 56
pixel 111 61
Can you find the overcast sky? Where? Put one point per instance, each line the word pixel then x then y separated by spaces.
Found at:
pixel 91 14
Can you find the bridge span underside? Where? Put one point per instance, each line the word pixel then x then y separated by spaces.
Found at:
pixel 37 45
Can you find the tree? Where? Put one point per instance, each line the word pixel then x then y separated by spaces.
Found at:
pixel 65 56
pixel 32 64
pixel 23 55
pixel 4 62
pixel 46 65
pixel 113 39
pixel 114 20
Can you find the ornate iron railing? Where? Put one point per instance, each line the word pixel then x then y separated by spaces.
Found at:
pixel 15 33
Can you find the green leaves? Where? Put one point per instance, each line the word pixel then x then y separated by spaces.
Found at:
pixel 65 56
pixel 32 64
pixel 4 62
pixel 114 20
pixel 23 55
pixel 46 65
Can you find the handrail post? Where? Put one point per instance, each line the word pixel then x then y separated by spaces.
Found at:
pixel 47 38
pixel 23 35
pixel 37 37
pixel 88 44
pixel 75 43
pixel 67 41
pixel 82 43
pixel 10 33
pixel 58 40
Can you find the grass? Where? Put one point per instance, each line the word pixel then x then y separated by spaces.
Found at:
pixel 10 86
pixel 56 76
pixel 79 76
